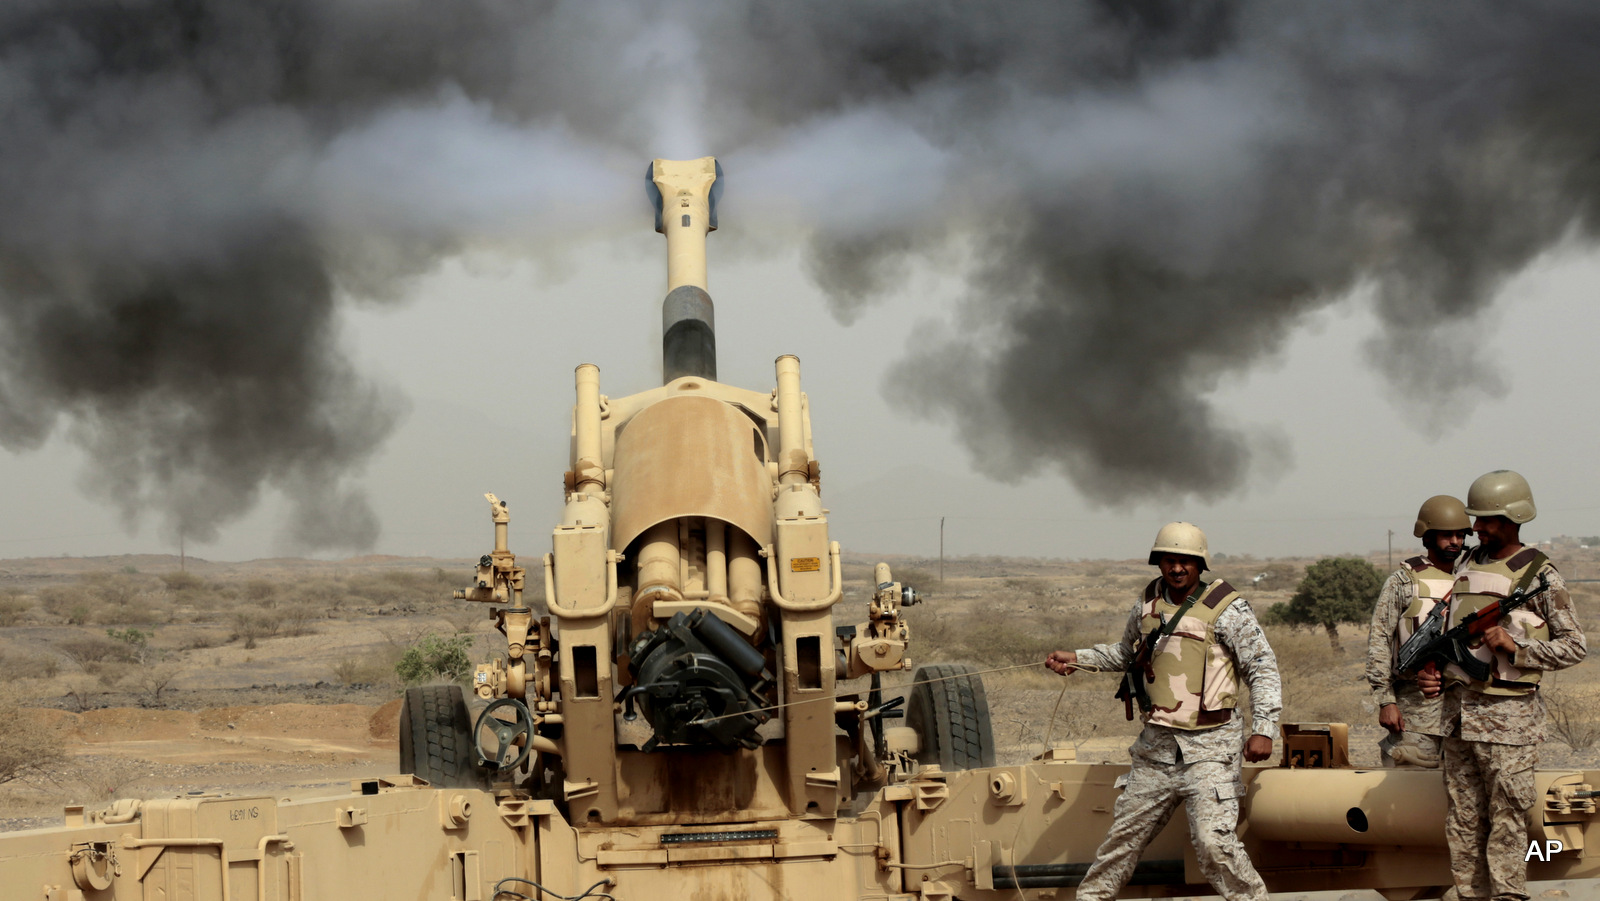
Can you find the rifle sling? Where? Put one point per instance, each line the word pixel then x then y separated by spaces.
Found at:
pixel 1139 670
pixel 1171 625
pixel 1539 560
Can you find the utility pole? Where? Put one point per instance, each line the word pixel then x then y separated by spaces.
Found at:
pixel 1391 550
pixel 941 550
pixel 183 558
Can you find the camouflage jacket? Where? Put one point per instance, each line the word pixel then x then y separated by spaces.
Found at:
pixel 1239 632
pixel 1519 719
pixel 1420 714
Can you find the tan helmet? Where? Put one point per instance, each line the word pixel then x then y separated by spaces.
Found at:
pixel 1441 513
pixel 1181 538
pixel 1501 493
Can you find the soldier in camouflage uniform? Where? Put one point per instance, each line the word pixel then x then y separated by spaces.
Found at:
pixel 1493 727
pixel 1408 597
pixel 1189 642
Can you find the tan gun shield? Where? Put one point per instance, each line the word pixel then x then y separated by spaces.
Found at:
pixel 690 456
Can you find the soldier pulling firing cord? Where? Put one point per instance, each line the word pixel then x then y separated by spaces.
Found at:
pixel 1182 660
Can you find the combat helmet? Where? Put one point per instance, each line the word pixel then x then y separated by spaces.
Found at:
pixel 1441 513
pixel 1501 493
pixel 1181 538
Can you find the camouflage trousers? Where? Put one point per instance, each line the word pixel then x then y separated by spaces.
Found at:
pixel 1490 788
pixel 1410 749
pixel 1210 791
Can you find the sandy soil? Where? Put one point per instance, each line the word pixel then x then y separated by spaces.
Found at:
pixel 289 749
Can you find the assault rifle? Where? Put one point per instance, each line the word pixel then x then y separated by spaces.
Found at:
pixel 1139 670
pixel 1433 645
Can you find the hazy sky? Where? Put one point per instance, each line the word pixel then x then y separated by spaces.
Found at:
pixel 484 353
pixel 1057 272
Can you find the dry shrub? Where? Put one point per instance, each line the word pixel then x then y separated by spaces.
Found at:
pixel 206 598
pixel 473 619
pixel 68 602
pixel 1319 685
pixel 152 680
pixel 980 637
pixel 1033 587
pixel 86 650
pixel 13 604
pixel 112 675
pixel 82 691
pixel 182 580
pixel 347 671
pixel 259 592
pixel 916 577
pixel 372 668
pixel 29 666
pixel 255 625
pixel 105 778
pixel 297 618
pixel 123 598
pixel 30 744
pixel 407 591
pixel 141 612
pixel 1569 710
pixel 325 594
pixel 195 639
pixel 1067 714
pixel 108 599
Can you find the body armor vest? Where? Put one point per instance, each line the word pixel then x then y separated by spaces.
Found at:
pixel 1430 586
pixel 1480 583
pixel 1193 684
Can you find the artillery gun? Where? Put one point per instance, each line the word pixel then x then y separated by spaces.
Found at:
pixel 676 722
pixel 688 668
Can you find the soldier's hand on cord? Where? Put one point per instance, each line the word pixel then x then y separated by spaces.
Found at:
pixel 1389 718
pixel 1062 662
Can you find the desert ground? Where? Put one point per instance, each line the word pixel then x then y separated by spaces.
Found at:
pixel 131 676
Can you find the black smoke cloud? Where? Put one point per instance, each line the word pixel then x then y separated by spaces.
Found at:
pixel 1148 196
pixel 1154 195
pixel 188 186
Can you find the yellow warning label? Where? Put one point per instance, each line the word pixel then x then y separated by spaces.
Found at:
pixel 805 564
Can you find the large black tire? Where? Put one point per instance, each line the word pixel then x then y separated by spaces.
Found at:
pixel 436 738
pixel 950 713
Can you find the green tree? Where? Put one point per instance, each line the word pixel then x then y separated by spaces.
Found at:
pixel 136 642
pixel 1335 590
pixel 436 657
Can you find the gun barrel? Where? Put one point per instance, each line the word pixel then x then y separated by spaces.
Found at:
pixel 685 195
